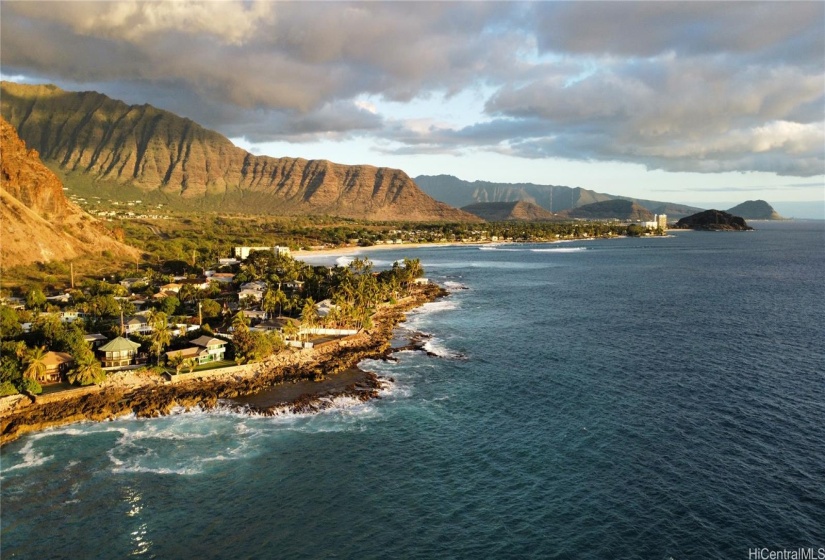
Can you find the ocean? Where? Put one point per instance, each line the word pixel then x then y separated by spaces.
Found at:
pixel 652 398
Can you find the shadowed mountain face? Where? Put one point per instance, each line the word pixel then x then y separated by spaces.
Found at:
pixel 611 210
pixel 89 134
pixel 460 193
pixel 505 211
pixel 38 223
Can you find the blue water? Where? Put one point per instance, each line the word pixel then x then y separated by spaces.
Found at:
pixel 628 398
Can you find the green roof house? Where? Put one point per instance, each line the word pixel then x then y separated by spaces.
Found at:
pixel 119 352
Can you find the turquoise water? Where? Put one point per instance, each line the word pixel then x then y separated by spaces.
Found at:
pixel 631 398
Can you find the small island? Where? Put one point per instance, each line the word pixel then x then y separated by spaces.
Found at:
pixel 713 220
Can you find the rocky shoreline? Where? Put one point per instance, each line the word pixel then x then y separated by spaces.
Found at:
pixel 148 396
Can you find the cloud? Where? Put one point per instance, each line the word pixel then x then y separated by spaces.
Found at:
pixel 688 86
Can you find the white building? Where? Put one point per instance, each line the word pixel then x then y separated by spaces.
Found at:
pixel 243 252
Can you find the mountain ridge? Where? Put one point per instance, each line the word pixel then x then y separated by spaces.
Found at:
pixel 555 198
pixel 519 210
pixel 39 224
pixel 105 139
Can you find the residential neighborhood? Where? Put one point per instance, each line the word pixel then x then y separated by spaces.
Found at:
pixel 239 310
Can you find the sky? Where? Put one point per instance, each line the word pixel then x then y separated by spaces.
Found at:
pixel 703 103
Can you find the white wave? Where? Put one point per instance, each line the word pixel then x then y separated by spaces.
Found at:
pixel 436 306
pixel 435 346
pixel 31 457
pixel 559 250
pixel 344 261
pixel 498 248
pixel 452 285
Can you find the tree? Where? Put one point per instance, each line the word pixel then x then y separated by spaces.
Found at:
pixel 309 315
pixel 9 323
pixel 160 336
pixel 177 361
pixel 86 370
pixel 290 329
pixel 169 305
pixel 272 299
pixel 35 299
pixel 240 323
pixel 34 362
pixel 210 308
pixel 190 364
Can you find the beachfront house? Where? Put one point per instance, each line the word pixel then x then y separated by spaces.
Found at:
pixel 205 349
pixel 119 352
pixel 57 364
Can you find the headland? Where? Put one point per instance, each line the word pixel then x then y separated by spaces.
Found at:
pixel 294 380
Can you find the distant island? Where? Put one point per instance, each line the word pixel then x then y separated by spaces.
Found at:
pixel 755 210
pixel 713 220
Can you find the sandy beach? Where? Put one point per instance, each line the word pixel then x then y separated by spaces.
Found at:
pixel 354 250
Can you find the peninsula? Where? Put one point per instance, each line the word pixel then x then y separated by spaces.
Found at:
pixel 328 366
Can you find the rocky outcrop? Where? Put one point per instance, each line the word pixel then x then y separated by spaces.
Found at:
pixel 507 211
pixel 611 210
pixel 38 223
pixel 87 134
pixel 755 210
pixel 713 220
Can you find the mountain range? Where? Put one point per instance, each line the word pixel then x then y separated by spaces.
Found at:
pixel 39 224
pixel 89 137
pixel 456 192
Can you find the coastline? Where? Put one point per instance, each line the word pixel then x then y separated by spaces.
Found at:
pixel 146 395
pixel 354 249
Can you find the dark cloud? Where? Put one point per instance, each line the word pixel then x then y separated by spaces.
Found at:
pixel 693 86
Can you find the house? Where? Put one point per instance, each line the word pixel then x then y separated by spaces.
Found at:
pixel 199 283
pixel 222 277
pixel 294 285
pixel 171 287
pixel 252 290
pixel 61 298
pixel 255 314
pixel 57 364
pixel 206 349
pixel 119 352
pixel 277 324
pixel 163 294
pixel 421 281
pixel 137 324
pixel 71 316
pixel 95 340
pixel 228 262
pixel 324 307
pixel 131 282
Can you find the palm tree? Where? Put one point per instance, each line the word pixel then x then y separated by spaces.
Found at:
pixel 35 363
pixel 160 336
pixel 272 299
pixel 309 315
pixel 86 370
pixel 290 329
pixel 190 364
pixel 177 361
pixel 240 322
